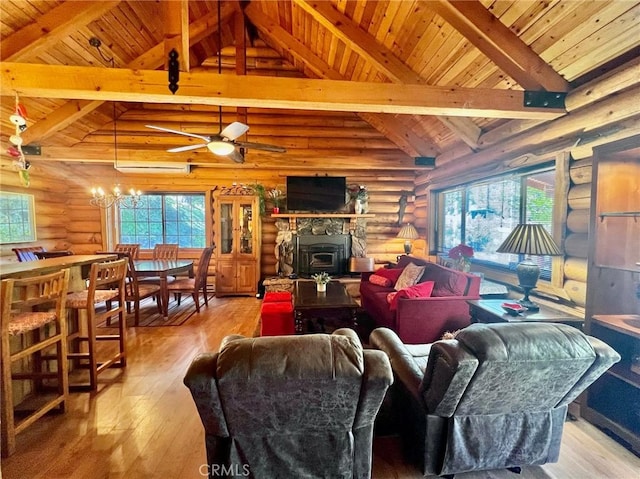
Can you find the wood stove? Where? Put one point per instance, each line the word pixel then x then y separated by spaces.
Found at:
pixel 318 253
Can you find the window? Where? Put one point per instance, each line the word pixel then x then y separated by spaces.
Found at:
pixel 482 214
pixel 165 218
pixel 17 218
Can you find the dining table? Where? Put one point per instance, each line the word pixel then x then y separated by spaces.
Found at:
pixel 162 269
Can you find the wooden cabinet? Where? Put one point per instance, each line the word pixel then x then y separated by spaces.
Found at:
pixel 238 239
pixel 613 288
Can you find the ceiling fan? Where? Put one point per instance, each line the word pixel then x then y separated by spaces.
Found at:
pixel 224 143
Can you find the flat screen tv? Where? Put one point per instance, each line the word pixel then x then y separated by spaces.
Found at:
pixel 316 193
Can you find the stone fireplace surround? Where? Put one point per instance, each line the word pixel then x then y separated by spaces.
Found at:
pixel 309 244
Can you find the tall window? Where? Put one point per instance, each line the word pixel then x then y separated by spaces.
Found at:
pixel 165 218
pixel 17 218
pixel 482 214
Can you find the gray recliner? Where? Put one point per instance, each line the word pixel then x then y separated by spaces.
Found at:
pixel 494 397
pixel 290 406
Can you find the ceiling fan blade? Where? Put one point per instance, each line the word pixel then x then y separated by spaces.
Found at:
pixel 179 149
pixel 236 156
pixel 261 146
pixel 234 130
pixel 168 130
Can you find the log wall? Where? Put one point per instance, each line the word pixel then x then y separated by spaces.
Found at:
pixel 51 208
pixel 67 221
pixel 577 235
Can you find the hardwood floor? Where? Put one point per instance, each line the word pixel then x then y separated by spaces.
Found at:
pixel 142 423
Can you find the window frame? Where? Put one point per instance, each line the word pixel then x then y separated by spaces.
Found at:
pixel 30 218
pixel 553 285
pixel 115 218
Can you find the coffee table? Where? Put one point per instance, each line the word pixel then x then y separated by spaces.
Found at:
pixel 323 312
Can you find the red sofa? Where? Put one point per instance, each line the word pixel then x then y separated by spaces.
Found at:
pixel 423 320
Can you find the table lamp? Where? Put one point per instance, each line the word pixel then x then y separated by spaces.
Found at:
pixel 529 239
pixel 408 233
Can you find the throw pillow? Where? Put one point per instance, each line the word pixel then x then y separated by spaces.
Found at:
pixel 380 280
pixel 420 290
pixel 390 296
pixel 391 273
pixel 410 276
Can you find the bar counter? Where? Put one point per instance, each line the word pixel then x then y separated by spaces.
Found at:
pixel 78 265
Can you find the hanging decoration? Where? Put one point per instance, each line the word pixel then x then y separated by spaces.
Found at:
pixel 174 71
pixel 19 119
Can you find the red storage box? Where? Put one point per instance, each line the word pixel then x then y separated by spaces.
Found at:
pixel 276 319
pixel 277 296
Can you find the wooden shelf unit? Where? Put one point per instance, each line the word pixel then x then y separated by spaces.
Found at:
pixel 613 283
pixel 238 236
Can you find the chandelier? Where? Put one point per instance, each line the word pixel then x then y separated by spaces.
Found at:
pixel 99 197
pixel 106 200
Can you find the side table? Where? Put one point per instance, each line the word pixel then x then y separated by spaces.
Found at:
pixel 490 311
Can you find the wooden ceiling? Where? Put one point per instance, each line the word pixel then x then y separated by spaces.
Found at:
pixel 340 84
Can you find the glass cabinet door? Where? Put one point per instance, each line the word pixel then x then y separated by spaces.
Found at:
pixel 226 228
pixel 245 224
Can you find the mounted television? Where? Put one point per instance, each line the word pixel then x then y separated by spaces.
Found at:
pixel 316 193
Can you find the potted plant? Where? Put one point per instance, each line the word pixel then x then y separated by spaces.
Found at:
pixel 276 195
pixel 462 254
pixel 321 280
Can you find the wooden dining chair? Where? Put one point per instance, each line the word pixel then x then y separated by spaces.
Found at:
pixel 104 299
pixel 165 251
pixel 28 338
pixel 194 285
pixel 27 253
pixel 132 248
pixel 136 291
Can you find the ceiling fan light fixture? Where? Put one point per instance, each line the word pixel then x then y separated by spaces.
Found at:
pixel 220 147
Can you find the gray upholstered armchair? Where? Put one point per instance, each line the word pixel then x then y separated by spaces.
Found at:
pixel 290 406
pixel 494 397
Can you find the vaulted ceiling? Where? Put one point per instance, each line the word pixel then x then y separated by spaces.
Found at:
pixel 339 84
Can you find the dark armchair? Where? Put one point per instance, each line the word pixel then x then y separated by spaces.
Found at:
pixel 290 406
pixel 495 397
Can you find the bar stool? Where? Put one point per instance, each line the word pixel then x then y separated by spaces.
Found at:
pixel 40 332
pixel 106 286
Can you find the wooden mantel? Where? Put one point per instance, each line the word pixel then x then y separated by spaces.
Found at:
pixel 293 225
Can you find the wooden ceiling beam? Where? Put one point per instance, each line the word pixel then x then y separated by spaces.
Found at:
pixel 381 58
pixel 239 32
pixel 406 140
pixel 501 45
pixel 150 60
pixel 358 40
pixel 91 83
pixel 614 109
pixel 52 27
pixel 331 158
pixel 615 81
pixel 175 21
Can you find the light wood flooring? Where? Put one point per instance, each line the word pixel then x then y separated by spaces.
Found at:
pixel 142 422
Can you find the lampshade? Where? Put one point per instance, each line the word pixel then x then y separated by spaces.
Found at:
pixel 530 239
pixel 408 231
pixel 220 147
